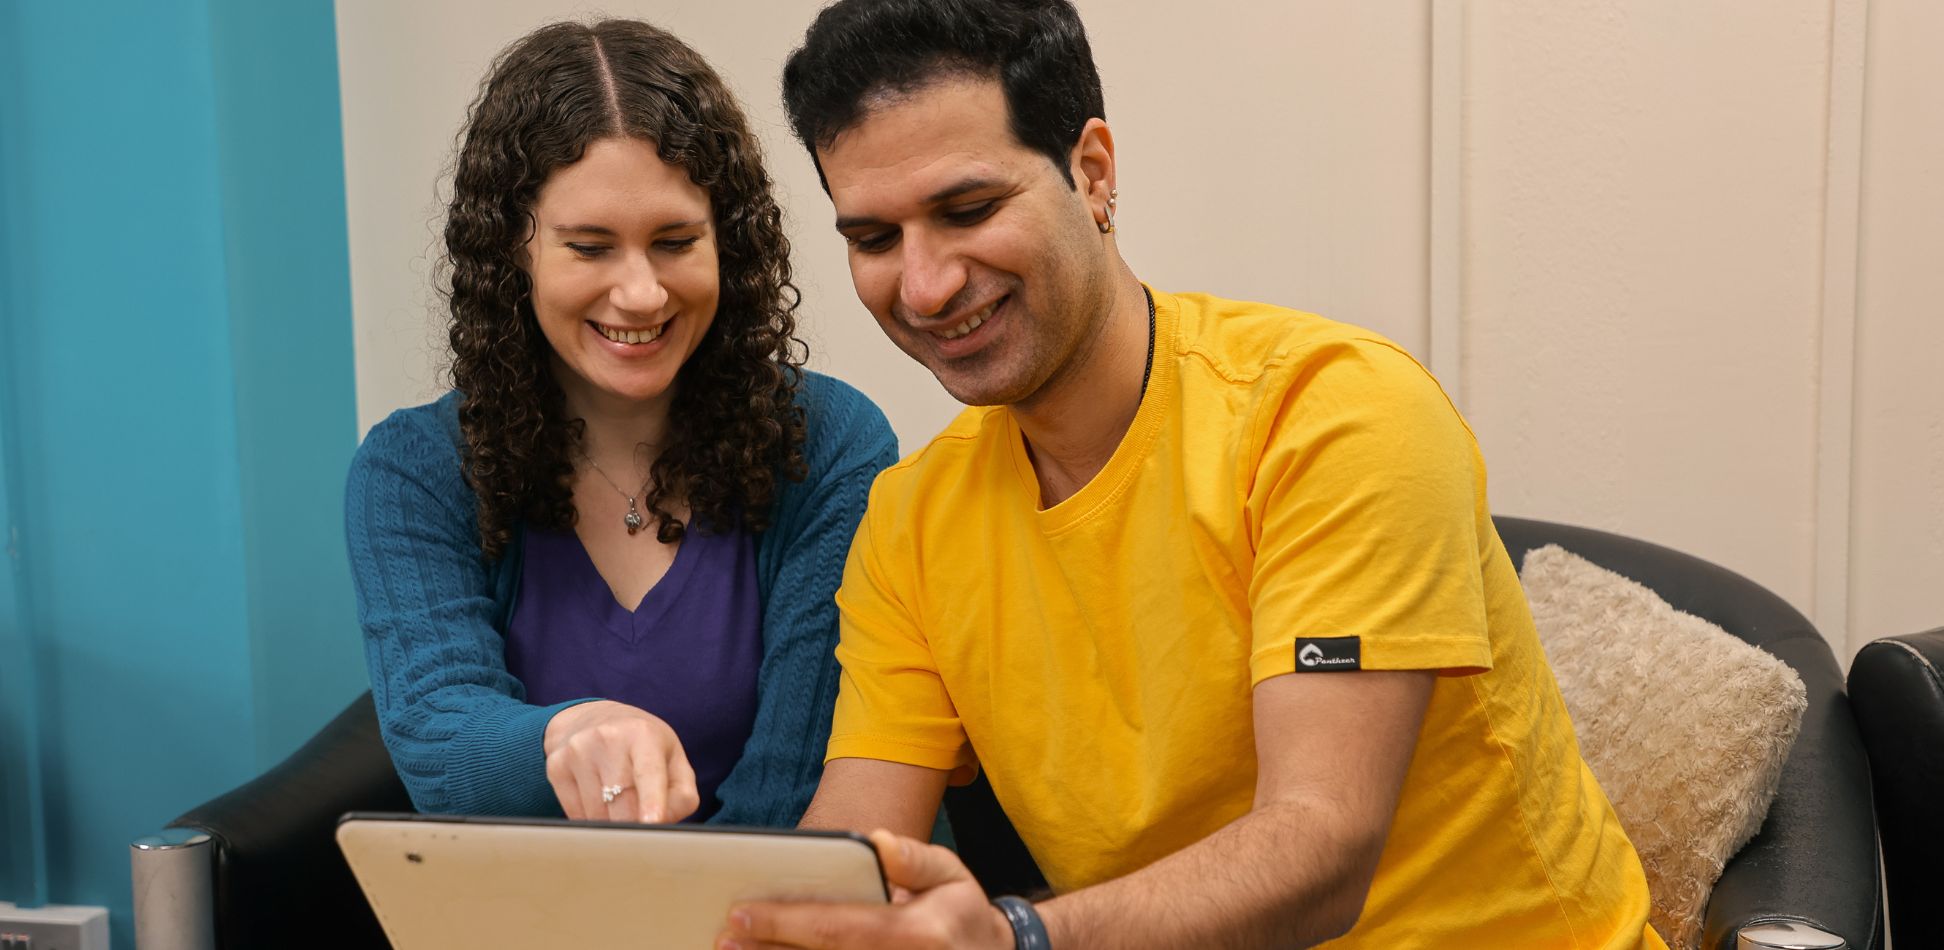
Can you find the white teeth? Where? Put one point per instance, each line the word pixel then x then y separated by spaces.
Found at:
pixel 631 336
pixel 969 325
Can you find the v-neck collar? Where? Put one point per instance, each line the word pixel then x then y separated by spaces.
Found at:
pixel 618 619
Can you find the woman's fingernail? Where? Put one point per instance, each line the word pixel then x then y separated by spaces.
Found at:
pixel 741 920
pixel 651 814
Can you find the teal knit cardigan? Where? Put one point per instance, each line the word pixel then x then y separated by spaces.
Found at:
pixel 434 612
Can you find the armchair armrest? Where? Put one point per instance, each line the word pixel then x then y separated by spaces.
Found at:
pixel 1897 687
pixel 1813 863
pixel 278 878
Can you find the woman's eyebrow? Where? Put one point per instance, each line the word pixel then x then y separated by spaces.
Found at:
pixel 605 231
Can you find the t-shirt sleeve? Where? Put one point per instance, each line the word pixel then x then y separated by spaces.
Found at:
pixel 1365 506
pixel 891 703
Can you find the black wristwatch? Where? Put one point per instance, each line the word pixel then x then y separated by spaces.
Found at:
pixel 1029 932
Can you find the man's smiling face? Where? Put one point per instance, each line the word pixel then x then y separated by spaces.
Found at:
pixel 975 254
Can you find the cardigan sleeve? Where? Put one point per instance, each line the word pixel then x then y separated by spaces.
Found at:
pixel 455 721
pixel 801 558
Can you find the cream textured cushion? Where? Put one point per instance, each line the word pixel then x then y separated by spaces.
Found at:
pixel 1685 725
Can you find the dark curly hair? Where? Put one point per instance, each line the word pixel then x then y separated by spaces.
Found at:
pixel 858 49
pixel 734 426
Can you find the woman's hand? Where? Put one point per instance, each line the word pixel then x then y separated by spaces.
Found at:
pixel 606 744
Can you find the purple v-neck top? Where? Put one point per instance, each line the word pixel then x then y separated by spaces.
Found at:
pixel 688 653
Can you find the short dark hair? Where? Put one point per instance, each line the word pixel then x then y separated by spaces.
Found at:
pixel 858 49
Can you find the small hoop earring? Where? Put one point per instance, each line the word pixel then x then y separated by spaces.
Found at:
pixel 1112 197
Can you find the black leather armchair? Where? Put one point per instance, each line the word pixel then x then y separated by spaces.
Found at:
pixel 278 879
pixel 1898 690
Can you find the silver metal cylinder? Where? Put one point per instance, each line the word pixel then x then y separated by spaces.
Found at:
pixel 174 890
pixel 1787 935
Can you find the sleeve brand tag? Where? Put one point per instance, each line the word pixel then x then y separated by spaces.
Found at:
pixel 1328 654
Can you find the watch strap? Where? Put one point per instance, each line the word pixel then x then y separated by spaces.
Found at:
pixel 1029 932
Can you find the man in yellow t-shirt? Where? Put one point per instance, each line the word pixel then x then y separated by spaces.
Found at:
pixel 1208 589
pixel 1295 500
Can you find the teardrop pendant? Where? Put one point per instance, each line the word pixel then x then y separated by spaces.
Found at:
pixel 633 520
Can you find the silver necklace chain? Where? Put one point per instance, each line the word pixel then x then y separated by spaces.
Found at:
pixel 633 519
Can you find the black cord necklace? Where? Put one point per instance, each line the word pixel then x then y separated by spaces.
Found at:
pixel 1148 371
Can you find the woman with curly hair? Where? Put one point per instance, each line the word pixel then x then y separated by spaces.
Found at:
pixel 597 577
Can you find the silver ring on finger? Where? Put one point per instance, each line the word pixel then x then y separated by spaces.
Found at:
pixel 611 792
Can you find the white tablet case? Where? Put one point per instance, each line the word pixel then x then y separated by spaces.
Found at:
pixel 439 884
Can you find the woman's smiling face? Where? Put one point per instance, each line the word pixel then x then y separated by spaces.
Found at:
pixel 622 260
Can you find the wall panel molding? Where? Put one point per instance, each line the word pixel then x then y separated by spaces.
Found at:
pixel 1836 368
pixel 1446 234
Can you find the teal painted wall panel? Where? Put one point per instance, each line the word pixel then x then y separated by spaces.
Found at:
pixel 288 262
pixel 126 440
pixel 23 860
pixel 178 411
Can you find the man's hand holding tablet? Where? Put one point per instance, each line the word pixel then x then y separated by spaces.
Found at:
pixel 935 903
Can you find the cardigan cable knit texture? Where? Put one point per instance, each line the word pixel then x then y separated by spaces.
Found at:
pixel 434 613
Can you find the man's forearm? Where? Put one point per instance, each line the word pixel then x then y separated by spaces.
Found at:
pixel 862 795
pixel 861 819
pixel 1284 875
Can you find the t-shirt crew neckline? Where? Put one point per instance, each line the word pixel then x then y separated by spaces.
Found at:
pixel 1113 479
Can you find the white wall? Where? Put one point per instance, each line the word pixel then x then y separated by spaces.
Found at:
pixel 1643 237
pixel 1676 259
pixel 1897 535
pixel 1700 286
pixel 1315 199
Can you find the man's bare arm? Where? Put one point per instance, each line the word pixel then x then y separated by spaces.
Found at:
pixel 1332 750
pixel 1332 753
pixel 863 795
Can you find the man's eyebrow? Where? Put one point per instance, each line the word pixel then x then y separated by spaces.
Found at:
pixel 947 193
pixel 963 187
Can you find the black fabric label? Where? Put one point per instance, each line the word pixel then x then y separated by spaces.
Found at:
pixel 1328 654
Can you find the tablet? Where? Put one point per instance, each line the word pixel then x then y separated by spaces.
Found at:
pixel 440 881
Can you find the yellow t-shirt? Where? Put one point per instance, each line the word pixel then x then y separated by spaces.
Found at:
pixel 1286 478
